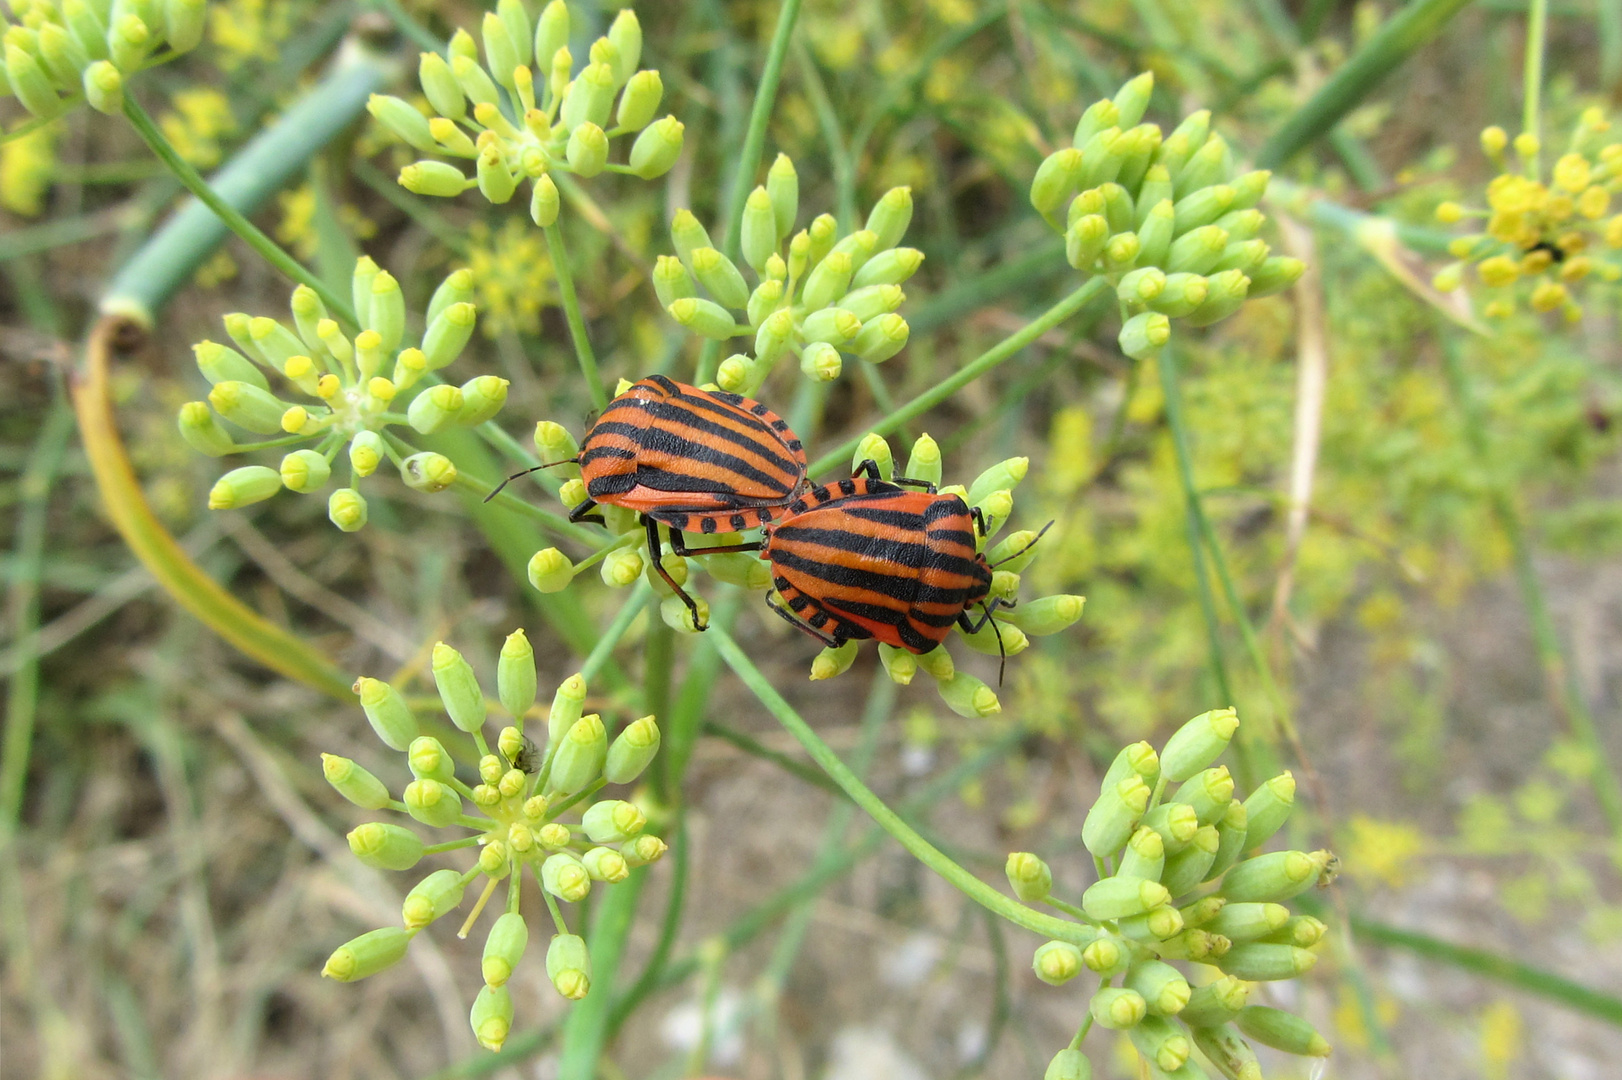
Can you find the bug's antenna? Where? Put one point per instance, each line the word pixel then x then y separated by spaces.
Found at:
pixel 1023 550
pixel 1002 651
pixel 526 472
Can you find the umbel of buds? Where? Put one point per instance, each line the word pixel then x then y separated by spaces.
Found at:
pixel 354 389
pixel 1541 233
pixel 1185 883
pixel 1168 219
pixel 816 294
pixel 622 563
pixel 64 48
pixel 532 109
pixel 535 812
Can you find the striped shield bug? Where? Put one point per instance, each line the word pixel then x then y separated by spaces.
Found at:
pixel 700 461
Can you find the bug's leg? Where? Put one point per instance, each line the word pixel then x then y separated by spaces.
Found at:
pixel 655 550
pixel 974 628
pixel 799 624
pixel 586 511
pixel 979 517
pixel 679 546
pixel 870 469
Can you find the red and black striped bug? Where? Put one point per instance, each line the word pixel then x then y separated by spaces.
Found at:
pixel 700 461
pixel 866 558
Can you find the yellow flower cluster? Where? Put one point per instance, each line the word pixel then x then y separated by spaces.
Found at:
pixel 1540 237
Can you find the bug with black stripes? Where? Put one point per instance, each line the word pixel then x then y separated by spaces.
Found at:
pixel 868 558
pixel 698 461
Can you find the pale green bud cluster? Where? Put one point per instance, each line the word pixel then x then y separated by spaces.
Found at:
pixel 531 109
pixel 1183 881
pixel 535 813
pixel 62 49
pixel 354 389
pixel 1168 219
pixel 991 493
pixel 817 296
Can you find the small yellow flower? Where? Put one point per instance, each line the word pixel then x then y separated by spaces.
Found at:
pixel 512 276
pixel 201 118
pixel 1380 852
pixel 26 166
pixel 1572 173
pixel 248 30
pixel 1502 1039
pixel 1498 271
pixel 1549 296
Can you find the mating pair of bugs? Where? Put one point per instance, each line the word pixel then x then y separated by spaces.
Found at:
pixel 863 558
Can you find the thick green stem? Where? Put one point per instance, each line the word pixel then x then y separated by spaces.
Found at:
pixel 1562 680
pixel 639 599
pixel 1412 27
pixel 1537 32
pixel 576 318
pixel 921 849
pixel 980 365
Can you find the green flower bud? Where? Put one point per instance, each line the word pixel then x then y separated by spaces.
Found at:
pixel 704 317
pixel 1133 99
pixel 429 760
pixel 872 301
pixel 403 121
pixel 1110 822
pixel 1155 189
pixel 1184 293
pixel 938 663
pixel 129 42
pixel 734 375
pixel 783 187
pixel 767 298
pixel 860 245
pixel 621 568
pixel 626 36
pixel 448 334
pixel 1176 823
pixel 632 751
pixel 721 277
pixel 463 45
pixel 1069 1064
pixel 495 177
pixel 385 847
pixel 1268 808
pixel 606 865
pixel 1144 855
pixel 1056 181
pixel 431 898
pixel 565 877
pixel 671 281
pixel 1102 157
pixel 587 151
pixel 86 25
pixel 657 148
pixel 833 662
pixel 104 87
pixel 432 803
pixel 1119 897
pixel 1243 255
pixel 501 51
pixel 1242 224
pixel 580 755
pixel 1162 987
pixel 1029 877
pixel 1185 869
pixel 244 487
pixel 1275 275
pixel 1208 792
pixel 875 448
pixel 1275 876
pixel 890 216
pixel 568 965
pixel 892 266
pixel 248 406
pixel 968 696
pixel 428 472
pixel 504 948
pixel 1211 164
pixel 1248 921
pixel 1118 211
pixel 640 100
pixel 1231 830
pixel 1085 239
pixel 1106 955
pixel 836 326
pixel 1117 1009
pixel 589 99
pixel 1203 206
pixel 1257 961
pixel 881 338
pixel 567 703
pixel 1302 931
pixel 1197 251
pixel 435 409
pixel 759 235
pixel 305 471
pixel 474 80
pixel 1056 962
pixel 550 570
pixel 997 639
pixel 202 432
pixel 828 281
pixel 492 1016
pixel 551 31
pixel 821 235
pixel 354 783
pixel 1215 1003
pixel 1161 1042
pixel 1046 615
pixel 1156 924
pixel 444 93
pixel 612 821
pixel 1223 1047
pixel 899 664
pixel 434 178
pixel 1003 476
pixel 1099 115
pixel 1193 944
pixel 368 954
pixel 1225 292
pixel 642 850
pixel 482 398
pixel 688 235
pixel 1144 334
pixel 1141 286
pixel 346 508
pixel 458 688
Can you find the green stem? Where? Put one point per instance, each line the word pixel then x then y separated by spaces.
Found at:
pixel 1412 27
pixel 641 596
pixel 980 365
pixel 576 319
pixel 1537 32
pixel 1560 675
pixel 558 524
pixel 142 285
pixel 921 849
